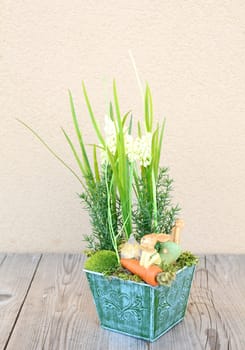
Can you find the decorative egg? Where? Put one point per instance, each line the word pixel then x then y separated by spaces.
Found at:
pixel 169 252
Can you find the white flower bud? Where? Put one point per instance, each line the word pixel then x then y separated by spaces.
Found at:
pixel 109 127
pixel 143 148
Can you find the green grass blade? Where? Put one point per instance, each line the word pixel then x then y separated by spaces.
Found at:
pixel 125 118
pixel 114 165
pixel 95 125
pixel 111 113
pixel 96 166
pixel 130 184
pixel 51 151
pixel 139 130
pixel 130 125
pixel 154 201
pixel 117 104
pixel 74 153
pixel 136 182
pixel 109 214
pixel 148 109
pixel 146 112
pixel 122 169
pixel 160 144
pixel 86 165
pixel 155 150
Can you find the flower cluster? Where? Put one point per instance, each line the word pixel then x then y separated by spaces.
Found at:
pixel 142 148
pixel 137 149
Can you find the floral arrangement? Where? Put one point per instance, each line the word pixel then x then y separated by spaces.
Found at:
pixel 135 226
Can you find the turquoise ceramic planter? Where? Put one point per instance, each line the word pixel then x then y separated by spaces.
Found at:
pixel 137 309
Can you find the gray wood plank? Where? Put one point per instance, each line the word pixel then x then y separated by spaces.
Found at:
pixel 16 273
pixel 215 318
pixel 59 312
pixel 2 258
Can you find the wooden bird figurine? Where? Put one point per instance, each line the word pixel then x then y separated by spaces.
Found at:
pixel 179 224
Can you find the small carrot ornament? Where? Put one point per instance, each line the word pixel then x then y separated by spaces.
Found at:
pixel 146 274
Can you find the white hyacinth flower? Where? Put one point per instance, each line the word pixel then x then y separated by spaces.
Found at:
pixel 143 149
pixel 110 135
pixel 130 148
pixel 138 149
pixel 110 138
pixel 109 127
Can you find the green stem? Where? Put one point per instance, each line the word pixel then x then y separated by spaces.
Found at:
pixel 154 200
pixel 111 229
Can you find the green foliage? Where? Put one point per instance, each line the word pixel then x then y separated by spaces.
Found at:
pixel 186 259
pixel 149 174
pixel 121 168
pixel 102 261
pixel 164 278
pixel 124 274
pixel 89 252
pixel 96 202
pixel 169 270
pixel 166 213
pixel 130 165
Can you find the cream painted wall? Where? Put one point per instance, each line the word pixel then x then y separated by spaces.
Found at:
pixel 191 52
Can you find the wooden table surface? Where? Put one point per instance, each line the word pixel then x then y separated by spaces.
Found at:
pixel 45 303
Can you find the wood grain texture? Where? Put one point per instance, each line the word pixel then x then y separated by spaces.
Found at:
pixel 59 312
pixel 2 258
pixel 16 273
pixel 215 318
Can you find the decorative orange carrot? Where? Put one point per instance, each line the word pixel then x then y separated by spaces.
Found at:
pixel 146 274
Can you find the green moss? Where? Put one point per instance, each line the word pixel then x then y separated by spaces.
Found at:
pixel 105 261
pixel 89 252
pixel 102 261
pixel 186 259
pixel 169 270
pixel 124 274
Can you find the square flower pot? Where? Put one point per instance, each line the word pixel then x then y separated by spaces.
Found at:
pixel 138 309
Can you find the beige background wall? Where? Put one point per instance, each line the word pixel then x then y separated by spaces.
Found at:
pixel 191 52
